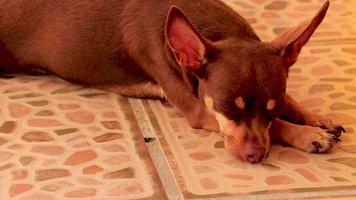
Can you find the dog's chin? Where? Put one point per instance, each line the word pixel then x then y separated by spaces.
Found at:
pixel 235 150
pixel 236 153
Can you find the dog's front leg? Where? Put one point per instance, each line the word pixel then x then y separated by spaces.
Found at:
pixel 192 109
pixel 178 93
pixel 307 138
pixel 296 113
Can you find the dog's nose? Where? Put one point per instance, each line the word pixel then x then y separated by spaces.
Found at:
pixel 255 155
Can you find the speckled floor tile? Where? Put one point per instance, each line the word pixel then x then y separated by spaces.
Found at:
pixel 61 141
pixel 270 17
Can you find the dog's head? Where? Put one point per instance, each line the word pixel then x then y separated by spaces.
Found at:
pixel 242 82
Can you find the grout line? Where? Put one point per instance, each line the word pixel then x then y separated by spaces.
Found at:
pixel 290 196
pixel 336 41
pixel 163 169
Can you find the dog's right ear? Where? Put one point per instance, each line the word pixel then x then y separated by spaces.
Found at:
pixel 292 40
pixel 186 44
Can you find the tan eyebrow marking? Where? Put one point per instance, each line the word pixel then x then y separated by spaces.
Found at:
pixel 209 103
pixel 239 101
pixel 271 104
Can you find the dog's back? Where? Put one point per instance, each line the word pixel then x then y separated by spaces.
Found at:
pixel 86 41
pixel 66 37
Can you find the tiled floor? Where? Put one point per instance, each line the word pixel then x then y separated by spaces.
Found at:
pixel 62 141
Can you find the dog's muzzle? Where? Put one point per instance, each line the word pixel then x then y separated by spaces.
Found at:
pixel 249 146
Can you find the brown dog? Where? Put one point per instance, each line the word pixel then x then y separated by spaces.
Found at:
pixel 200 55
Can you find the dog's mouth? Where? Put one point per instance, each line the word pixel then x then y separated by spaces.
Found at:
pixel 249 150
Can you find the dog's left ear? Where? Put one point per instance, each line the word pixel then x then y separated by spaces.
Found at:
pixel 188 47
pixel 291 41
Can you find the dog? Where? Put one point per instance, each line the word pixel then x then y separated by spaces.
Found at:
pixel 200 55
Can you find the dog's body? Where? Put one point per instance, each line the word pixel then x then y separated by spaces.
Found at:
pixel 200 55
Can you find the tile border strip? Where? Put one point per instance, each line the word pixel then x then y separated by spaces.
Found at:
pixel 142 150
pixel 156 153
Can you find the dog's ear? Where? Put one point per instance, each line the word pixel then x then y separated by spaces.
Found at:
pixel 188 47
pixel 291 41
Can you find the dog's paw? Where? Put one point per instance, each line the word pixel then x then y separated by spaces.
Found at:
pixel 325 123
pixel 315 140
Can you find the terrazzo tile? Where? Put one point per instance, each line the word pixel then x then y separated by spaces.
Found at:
pixel 57 148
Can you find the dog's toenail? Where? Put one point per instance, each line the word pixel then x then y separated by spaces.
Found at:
pixel 323 127
pixel 337 140
pixel 340 129
pixel 336 132
pixel 331 132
